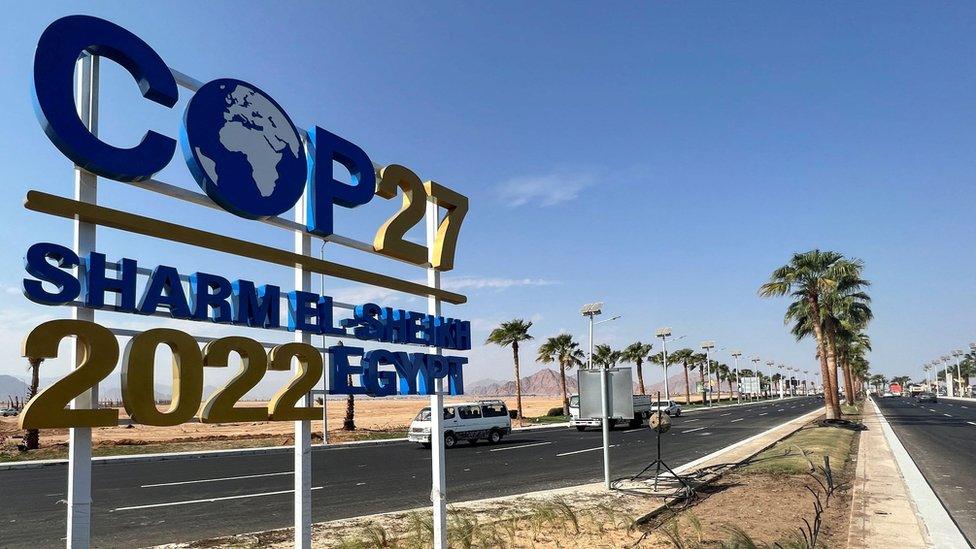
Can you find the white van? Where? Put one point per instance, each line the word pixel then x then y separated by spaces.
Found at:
pixel 471 421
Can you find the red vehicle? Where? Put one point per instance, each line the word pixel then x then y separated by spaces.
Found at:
pixel 895 389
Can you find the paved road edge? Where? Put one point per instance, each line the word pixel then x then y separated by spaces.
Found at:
pixel 941 529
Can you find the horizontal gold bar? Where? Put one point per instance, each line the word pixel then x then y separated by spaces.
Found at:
pixel 125 221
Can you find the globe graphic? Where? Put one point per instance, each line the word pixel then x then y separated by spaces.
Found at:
pixel 243 150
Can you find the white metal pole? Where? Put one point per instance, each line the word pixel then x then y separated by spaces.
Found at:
pixel 303 428
pixel 780 368
pixel 438 481
pixel 957 354
pixel 606 424
pixel 769 373
pixel 327 358
pixel 708 378
pixel 589 360
pixel 945 367
pixel 79 438
pixel 667 388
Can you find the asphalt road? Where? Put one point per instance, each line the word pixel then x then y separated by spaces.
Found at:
pixel 941 439
pixel 148 503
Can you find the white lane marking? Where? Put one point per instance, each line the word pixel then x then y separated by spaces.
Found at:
pixel 360 484
pixel 728 414
pixel 706 433
pixel 930 409
pixel 693 430
pixel 209 500
pixel 966 407
pixel 690 420
pixel 780 410
pixel 581 451
pixel 946 415
pixel 519 446
pixel 734 420
pixel 971 423
pixel 632 431
pixel 215 479
pixel 764 413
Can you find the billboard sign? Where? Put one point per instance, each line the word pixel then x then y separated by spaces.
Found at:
pixel 252 161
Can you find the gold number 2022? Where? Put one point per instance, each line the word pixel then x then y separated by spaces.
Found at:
pixel 100 352
pixel 390 239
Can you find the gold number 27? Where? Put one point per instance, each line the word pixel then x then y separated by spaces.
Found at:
pixel 390 238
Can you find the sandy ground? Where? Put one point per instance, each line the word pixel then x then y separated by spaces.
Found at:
pixel 371 414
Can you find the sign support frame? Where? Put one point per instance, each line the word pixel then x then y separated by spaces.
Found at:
pixel 303 428
pixel 438 488
pixel 80 438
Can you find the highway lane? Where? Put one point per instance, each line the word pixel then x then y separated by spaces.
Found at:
pixel 941 439
pixel 146 503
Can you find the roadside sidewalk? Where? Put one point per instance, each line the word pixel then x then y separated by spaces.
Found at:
pixel 882 511
pixel 893 505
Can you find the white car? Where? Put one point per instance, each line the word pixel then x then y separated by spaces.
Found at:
pixel 669 407
pixel 8 412
pixel 471 421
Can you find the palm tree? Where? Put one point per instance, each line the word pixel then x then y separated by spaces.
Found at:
pixel 637 353
pixel 684 356
pixel 510 334
pixel 566 352
pixel 728 375
pixel 349 421
pixel 604 356
pixel 816 280
pixel 698 360
pixel 32 438
pixel 720 374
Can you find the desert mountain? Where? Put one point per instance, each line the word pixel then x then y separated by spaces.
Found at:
pixel 545 382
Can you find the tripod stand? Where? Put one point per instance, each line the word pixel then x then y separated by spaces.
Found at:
pixel 686 489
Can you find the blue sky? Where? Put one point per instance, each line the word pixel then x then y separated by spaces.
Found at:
pixel 663 158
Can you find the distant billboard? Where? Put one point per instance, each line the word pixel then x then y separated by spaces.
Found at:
pixel 749 384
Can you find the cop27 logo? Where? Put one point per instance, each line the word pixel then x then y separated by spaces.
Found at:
pixel 239 144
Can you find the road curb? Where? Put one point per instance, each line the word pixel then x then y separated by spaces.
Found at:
pixel 941 529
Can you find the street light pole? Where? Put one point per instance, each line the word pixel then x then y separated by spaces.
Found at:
pixel 738 384
pixel 590 311
pixel 769 372
pixel 707 345
pixel 958 353
pixel 663 333
pixel 755 361
pixel 945 369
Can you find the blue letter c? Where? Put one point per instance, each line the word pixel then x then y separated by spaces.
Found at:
pixel 54 67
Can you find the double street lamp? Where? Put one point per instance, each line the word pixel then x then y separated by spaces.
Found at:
pixel 663 333
pixel 706 386
pixel 591 310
